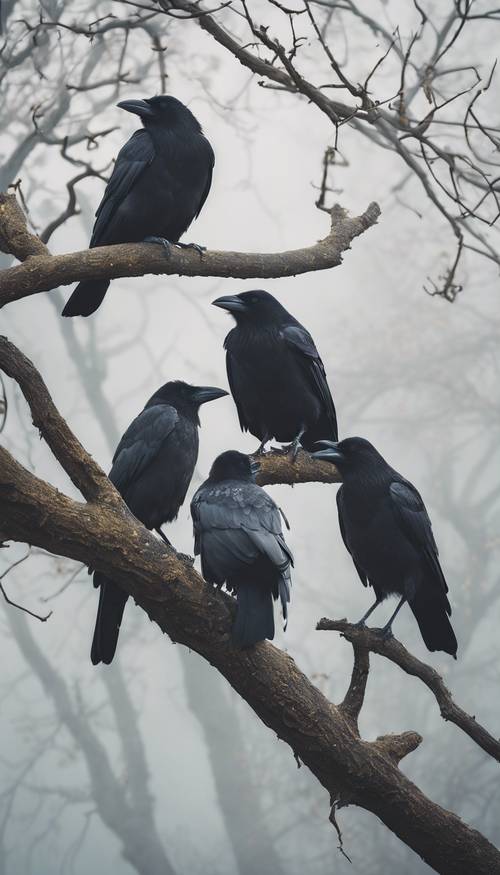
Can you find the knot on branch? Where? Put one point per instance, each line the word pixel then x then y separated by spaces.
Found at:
pixel 15 239
pixel 397 746
pixel 345 228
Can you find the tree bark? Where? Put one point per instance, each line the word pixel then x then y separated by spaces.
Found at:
pixel 192 613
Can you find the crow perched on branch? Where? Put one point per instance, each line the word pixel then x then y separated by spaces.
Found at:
pixel 276 376
pixel 152 469
pixel 160 181
pixel 237 530
pixel 388 533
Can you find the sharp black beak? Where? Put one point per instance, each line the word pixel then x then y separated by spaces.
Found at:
pixel 208 393
pixel 331 453
pixel 232 303
pixel 138 107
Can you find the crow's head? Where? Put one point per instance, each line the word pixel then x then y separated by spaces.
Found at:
pixel 185 397
pixel 163 110
pixel 350 455
pixel 258 306
pixel 233 465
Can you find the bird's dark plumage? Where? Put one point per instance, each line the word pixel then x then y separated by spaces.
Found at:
pixel 152 469
pixel 237 530
pixel 160 181
pixel 387 530
pixel 276 376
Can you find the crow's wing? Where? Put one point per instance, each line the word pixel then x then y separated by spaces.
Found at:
pixel 242 519
pixel 132 160
pixel 141 443
pixel 299 339
pixel 413 519
pixel 340 507
pixel 211 164
pixel 232 376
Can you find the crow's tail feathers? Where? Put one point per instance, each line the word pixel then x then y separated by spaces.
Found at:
pixel 431 612
pixel 112 601
pixel 86 298
pixel 284 593
pixel 254 615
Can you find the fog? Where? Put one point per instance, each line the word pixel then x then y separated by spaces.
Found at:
pixel 416 375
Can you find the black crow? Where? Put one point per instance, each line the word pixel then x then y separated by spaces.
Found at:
pixel 237 531
pixel 152 469
pixel 159 184
pixel 388 533
pixel 276 376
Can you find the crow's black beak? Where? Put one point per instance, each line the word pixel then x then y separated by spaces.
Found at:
pixel 138 107
pixel 208 393
pixel 331 453
pixel 232 303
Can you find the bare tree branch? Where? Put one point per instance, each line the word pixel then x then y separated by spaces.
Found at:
pixel 167 587
pixel 41 272
pixel 369 639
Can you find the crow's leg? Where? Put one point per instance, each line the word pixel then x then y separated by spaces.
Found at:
pixel 295 445
pixel 160 241
pixel 361 623
pixel 386 632
pixel 199 249
pixel 184 556
pixel 164 537
pixel 265 439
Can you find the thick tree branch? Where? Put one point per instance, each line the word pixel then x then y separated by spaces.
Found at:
pixel 194 614
pixel 15 239
pixel 191 612
pixel 369 639
pixel 78 464
pixel 41 272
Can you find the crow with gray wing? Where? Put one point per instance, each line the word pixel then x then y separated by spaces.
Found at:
pixel 387 531
pixel 152 469
pixel 160 181
pixel 276 376
pixel 237 532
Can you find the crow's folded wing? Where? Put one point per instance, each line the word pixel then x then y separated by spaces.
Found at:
pixel 232 367
pixel 210 158
pixel 242 519
pixel 301 342
pixel 340 507
pixel 132 160
pixel 141 443
pixel 414 521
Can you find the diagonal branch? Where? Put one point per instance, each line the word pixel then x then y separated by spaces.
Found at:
pixel 393 650
pixel 172 593
pixel 168 588
pixel 43 272
pixel 78 464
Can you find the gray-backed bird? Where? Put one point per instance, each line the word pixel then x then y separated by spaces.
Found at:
pixel 237 531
